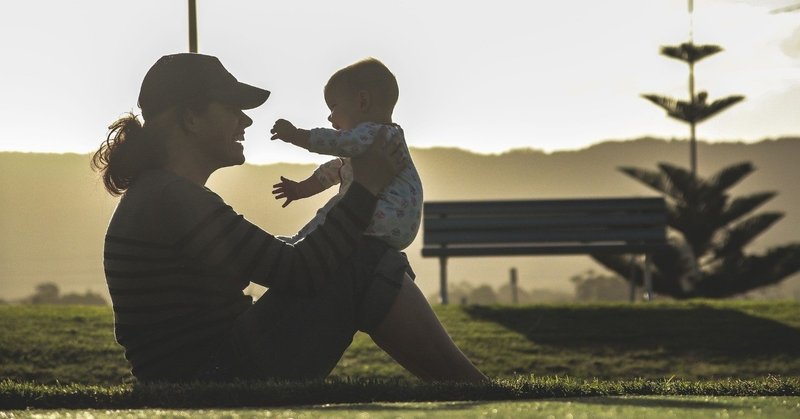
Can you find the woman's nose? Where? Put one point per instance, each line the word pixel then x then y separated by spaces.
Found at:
pixel 246 121
pixel 330 118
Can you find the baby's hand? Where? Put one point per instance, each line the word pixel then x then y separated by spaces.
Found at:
pixel 283 130
pixel 286 189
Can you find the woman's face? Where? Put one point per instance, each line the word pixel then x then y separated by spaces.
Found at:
pixel 220 133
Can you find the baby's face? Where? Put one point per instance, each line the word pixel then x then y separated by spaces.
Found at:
pixel 345 111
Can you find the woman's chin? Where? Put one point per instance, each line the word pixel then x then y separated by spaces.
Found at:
pixel 237 154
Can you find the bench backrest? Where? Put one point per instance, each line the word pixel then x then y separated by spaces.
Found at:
pixel 543 226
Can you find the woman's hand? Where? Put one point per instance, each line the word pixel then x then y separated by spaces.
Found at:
pixel 383 160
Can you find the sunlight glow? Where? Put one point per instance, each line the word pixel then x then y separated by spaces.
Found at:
pixel 502 75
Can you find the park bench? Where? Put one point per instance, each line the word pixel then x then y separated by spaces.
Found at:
pixel 544 227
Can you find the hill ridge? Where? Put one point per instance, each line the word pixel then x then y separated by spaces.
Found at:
pixel 54 210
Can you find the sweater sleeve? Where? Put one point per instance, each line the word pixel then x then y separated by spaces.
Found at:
pixel 219 240
pixel 328 173
pixel 345 143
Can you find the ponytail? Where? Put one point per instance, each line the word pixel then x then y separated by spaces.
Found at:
pixel 128 151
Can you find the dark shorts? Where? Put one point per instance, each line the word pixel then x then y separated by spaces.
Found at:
pixel 294 337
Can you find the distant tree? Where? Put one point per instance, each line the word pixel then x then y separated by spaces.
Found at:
pixel 591 286
pixel 87 299
pixel 458 292
pixel 532 296
pixel 697 109
pixel 505 295
pixel 49 293
pixel 483 295
pixel 710 230
pixel 46 293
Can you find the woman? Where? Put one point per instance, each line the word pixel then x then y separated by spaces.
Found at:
pixel 177 258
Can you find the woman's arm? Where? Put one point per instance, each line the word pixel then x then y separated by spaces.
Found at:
pixel 222 241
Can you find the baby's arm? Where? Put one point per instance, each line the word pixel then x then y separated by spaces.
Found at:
pixel 286 131
pixel 345 143
pixel 323 178
pixel 292 190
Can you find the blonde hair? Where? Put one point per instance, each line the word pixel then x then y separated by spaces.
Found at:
pixel 371 75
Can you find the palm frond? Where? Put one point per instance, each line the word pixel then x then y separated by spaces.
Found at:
pixel 739 275
pixel 650 178
pixel 743 205
pixel 681 180
pixel 745 232
pixel 729 176
pixel 622 265
pixel 677 109
pixel 631 270
pixel 700 111
pixel 689 52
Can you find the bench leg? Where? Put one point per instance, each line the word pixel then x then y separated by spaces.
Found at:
pixel 648 279
pixel 443 280
pixel 632 277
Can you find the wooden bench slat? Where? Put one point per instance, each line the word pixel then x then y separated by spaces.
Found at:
pixel 535 250
pixel 485 222
pixel 544 205
pixel 537 235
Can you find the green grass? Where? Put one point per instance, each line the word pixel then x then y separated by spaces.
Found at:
pixel 57 356
pixel 692 341
pixel 269 393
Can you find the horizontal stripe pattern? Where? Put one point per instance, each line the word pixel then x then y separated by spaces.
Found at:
pixel 177 259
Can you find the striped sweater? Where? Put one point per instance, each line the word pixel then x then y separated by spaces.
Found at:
pixel 177 260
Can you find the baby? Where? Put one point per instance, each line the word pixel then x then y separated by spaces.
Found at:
pixel 361 98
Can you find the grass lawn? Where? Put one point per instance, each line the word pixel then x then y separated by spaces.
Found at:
pixel 694 340
pixel 700 348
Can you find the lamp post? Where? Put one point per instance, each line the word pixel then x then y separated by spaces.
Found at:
pixel 192 26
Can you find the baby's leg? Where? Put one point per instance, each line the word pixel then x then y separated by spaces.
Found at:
pixel 412 335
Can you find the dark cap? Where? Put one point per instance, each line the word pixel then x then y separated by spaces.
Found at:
pixel 180 79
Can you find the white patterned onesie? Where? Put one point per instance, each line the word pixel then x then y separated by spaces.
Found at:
pixel 399 210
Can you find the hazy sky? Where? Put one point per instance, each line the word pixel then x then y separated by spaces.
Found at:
pixel 485 76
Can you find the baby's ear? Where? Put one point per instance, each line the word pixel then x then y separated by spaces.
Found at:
pixel 364 100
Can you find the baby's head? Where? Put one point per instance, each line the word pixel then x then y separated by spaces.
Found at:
pixel 362 92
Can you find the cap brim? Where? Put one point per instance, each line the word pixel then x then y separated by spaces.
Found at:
pixel 242 95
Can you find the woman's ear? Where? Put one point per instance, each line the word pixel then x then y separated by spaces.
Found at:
pixel 364 100
pixel 188 120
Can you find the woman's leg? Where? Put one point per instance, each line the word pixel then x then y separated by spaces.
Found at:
pixel 412 335
pixel 288 336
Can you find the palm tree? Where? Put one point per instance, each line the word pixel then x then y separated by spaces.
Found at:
pixel 705 257
pixel 697 109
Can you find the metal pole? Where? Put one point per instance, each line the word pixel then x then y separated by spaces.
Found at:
pixel 192 26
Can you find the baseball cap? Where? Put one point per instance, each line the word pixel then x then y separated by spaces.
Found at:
pixel 177 79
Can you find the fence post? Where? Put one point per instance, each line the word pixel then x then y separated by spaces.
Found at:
pixel 514 286
pixel 443 279
pixel 648 279
pixel 631 279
